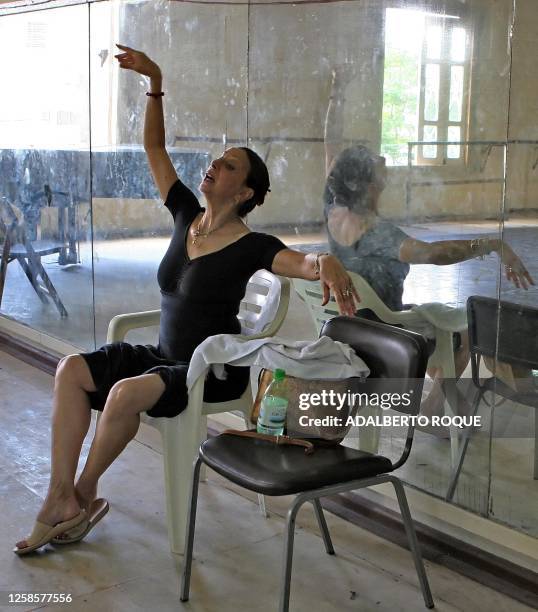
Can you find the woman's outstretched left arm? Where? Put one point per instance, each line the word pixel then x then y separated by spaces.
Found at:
pixel 324 267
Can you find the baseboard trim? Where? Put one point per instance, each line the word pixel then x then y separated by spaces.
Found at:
pixel 519 583
pixel 499 574
pixel 28 353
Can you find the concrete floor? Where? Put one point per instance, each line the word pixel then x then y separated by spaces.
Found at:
pixel 125 564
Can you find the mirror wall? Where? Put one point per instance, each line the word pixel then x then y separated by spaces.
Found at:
pixel 442 90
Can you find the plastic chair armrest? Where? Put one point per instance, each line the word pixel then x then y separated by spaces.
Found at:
pixel 121 324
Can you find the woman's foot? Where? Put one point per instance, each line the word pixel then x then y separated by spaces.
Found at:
pixel 57 508
pixel 97 511
pixel 85 496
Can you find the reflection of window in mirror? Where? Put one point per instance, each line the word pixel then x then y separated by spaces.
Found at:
pixel 426 87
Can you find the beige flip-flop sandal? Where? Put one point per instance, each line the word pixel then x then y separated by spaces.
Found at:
pixel 99 507
pixel 43 533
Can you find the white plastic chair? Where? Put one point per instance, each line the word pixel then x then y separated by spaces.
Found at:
pixel 261 314
pixel 443 356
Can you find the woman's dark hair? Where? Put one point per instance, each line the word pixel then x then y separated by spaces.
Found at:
pixel 349 178
pixel 257 179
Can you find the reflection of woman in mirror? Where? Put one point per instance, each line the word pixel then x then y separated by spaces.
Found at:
pixel 203 277
pixel 376 248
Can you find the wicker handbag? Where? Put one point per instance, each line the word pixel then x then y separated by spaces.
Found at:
pixel 318 412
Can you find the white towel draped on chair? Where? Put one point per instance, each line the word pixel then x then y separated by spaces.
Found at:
pixel 321 359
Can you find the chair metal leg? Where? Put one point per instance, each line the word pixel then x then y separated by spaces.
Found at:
pixel 463 450
pixel 203 437
pixel 323 526
pixel 187 563
pixel 261 498
pixel 288 553
pixel 413 542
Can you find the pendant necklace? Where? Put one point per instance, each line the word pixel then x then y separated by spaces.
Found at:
pixel 197 233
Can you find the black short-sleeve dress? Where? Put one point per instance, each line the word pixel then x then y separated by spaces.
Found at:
pixel 199 298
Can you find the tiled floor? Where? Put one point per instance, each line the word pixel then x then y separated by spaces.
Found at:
pixel 125 565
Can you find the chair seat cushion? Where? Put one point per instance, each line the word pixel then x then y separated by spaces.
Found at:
pixel 264 467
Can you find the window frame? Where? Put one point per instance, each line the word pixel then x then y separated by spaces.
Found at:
pixel 443 122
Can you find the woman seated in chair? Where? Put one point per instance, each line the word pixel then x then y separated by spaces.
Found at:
pixel 203 277
pixel 376 248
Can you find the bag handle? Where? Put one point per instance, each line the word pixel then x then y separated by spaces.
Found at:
pixel 279 440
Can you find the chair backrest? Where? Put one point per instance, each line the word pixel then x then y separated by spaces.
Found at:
pixel 397 359
pixel 310 292
pixel 264 307
pixel 504 330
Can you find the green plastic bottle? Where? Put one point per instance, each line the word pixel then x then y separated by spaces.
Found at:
pixel 274 405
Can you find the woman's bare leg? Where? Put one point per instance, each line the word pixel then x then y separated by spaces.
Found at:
pixel 117 426
pixel 71 417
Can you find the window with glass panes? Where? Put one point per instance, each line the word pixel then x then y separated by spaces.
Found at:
pixel 443 91
pixel 425 86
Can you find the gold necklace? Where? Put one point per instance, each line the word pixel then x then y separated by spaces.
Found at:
pixel 197 233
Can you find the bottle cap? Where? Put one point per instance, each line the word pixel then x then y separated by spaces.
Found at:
pixel 279 374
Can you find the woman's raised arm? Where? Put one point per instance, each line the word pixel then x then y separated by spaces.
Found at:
pixel 446 252
pixel 324 267
pixel 333 134
pixel 162 169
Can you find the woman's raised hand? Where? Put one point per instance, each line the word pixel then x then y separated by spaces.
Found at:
pixel 131 59
pixel 514 268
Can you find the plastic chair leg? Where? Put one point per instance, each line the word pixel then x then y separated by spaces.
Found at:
pixel 370 434
pixel 181 440
pixel 463 450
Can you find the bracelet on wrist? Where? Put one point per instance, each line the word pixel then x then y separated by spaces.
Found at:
pixel 158 94
pixel 317 268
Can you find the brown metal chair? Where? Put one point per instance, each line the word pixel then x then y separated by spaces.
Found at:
pixel 506 332
pixel 397 360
